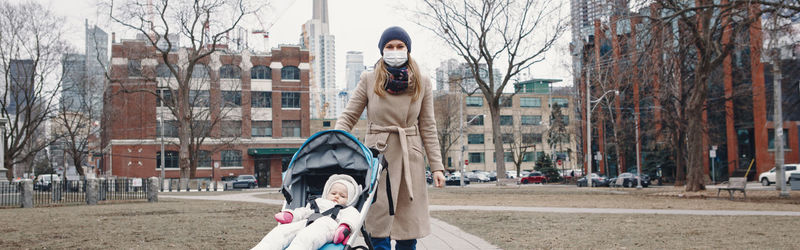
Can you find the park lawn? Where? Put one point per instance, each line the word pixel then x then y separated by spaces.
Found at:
pixel 603 197
pixel 527 230
pixel 168 224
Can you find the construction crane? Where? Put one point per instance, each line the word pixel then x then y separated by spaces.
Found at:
pixel 264 31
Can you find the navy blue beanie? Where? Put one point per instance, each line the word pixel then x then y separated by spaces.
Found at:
pixel 394 33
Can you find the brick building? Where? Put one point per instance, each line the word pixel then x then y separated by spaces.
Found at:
pixel 256 106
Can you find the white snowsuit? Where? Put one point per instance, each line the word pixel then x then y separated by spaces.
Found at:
pixel 320 231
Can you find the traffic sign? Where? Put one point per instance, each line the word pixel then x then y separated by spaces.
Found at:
pixel 712 153
pixel 466 162
pixel 559 163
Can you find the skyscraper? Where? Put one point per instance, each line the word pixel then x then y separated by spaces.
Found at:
pixel 317 39
pixel 354 68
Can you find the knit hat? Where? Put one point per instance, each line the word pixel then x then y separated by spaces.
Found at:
pixel 394 33
pixel 353 189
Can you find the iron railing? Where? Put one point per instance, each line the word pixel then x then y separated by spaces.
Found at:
pixel 10 194
pixel 65 192
pixel 122 189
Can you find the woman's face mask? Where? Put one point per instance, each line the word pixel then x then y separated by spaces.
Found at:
pixel 395 58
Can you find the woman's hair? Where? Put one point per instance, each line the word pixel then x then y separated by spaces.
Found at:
pixel 414 78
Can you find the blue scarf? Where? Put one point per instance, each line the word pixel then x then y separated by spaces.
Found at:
pixel 397 80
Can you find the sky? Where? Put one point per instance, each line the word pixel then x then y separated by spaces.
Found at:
pixel 356 25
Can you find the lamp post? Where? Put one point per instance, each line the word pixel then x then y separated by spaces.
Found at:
pixel 161 120
pixel 589 109
pixel 3 169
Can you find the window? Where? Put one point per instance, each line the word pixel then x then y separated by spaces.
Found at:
pixel 170 128
pixel 231 98
pixel 528 157
pixel 531 119
pixel 531 138
pixel 203 159
pixel 506 102
pixel 771 136
pixel 261 99
pixel 290 73
pixel 507 138
pixel 560 102
pixel 476 157
pixel 134 67
pixel 167 95
pixel 231 128
pixel 201 128
pixel 530 102
pixel 290 128
pixel 231 158
pixel 326 124
pixel 171 161
pixel 506 120
pixel 230 71
pixel 565 118
pixel 162 70
pixel 261 129
pixel 261 72
pixel 508 157
pixel 475 138
pixel 198 98
pixel 474 101
pixel 476 120
pixel 290 100
pixel 200 71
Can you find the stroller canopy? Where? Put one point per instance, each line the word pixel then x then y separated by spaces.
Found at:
pixel 323 154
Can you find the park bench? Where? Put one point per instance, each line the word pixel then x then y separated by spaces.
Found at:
pixel 735 184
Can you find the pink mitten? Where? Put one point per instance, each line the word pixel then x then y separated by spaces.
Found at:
pixel 284 217
pixel 342 234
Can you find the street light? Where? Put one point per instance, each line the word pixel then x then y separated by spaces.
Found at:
pixel 463 148
pixel 589 109
pixel 3 169
pixel 161 120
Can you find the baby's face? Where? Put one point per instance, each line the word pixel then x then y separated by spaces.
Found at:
pixel 338 194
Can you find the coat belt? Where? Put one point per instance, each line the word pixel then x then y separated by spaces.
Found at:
pixel 403 133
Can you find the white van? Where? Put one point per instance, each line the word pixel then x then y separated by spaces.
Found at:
pixel 45 181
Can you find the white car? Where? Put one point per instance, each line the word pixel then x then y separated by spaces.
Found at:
pixel 768 177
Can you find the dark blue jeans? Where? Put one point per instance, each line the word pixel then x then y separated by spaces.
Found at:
pixel 386 244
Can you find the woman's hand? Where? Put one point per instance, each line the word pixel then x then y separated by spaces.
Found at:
pixel 438 178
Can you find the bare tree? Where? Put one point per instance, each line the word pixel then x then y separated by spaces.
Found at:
pixel 522 142
pixel 557 133
pixel 495 34
pixel 446 108
pixel 205 24
pixel 31 46
pixel 704 29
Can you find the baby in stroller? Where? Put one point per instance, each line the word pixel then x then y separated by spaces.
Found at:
pixel 326 219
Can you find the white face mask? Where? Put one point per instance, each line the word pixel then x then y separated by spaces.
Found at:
pixel 395 58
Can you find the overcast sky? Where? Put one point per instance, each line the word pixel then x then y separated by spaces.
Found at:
pixel 356 24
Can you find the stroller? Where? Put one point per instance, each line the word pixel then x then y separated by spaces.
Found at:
pixel 322 155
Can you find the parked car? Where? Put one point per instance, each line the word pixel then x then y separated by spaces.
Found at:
pixel 428 177
pixel 455 181
pixel 511 174
pixel 245 181
pixel 492 176
pixel 534 177
pixel 524 173
pixel 597 181
pixel 44 182
pixel 769 177
pixel 477 177
pixel 629 180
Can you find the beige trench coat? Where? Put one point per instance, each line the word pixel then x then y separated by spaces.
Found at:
pixel 404 131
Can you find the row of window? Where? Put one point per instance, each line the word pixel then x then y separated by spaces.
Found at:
pixel 479 157
pixel 227 71
pixel 527 138
pixel 524 102
pixel 259 99
pixel 508 120
pixel 289 128
pixel 228 158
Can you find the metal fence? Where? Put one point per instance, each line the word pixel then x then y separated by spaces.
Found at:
pixel 73 192
pixel 123 189
pixel 10 194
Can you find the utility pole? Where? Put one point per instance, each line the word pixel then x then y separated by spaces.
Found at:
pixel 778 121
pixel 161 120
pixel 638 153
pixel 588 130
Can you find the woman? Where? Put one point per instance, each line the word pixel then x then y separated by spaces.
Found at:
pixel 399 102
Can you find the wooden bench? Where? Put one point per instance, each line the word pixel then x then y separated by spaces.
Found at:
pixel 735 184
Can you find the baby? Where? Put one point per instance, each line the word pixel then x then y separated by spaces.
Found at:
pixel 340 190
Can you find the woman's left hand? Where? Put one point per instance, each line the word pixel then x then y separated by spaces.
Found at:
pixel 438 179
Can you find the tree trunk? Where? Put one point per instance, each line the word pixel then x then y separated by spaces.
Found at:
pixel 678 174
pixel 695 180
pixel 183 155
pixel 494 109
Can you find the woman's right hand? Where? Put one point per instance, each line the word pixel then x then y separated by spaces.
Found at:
pixel 438 178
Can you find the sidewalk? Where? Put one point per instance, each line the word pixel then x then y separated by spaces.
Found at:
pixel 443 235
